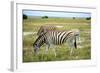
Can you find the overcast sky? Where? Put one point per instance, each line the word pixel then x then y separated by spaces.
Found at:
pixel 56 14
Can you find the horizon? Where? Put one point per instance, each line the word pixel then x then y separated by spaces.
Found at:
pixel 56 14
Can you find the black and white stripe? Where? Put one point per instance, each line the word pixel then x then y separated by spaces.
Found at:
pixel 57 38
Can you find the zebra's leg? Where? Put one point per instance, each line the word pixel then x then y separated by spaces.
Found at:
pixel 53 49
pixel 46 49
pixel 71 45
pixel 71 51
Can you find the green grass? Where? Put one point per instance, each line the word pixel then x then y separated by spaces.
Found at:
pixel 32 24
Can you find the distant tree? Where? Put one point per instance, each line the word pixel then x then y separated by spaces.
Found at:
pixel 73 17
pixel 25 16
pixel 45 17
pixel 88 18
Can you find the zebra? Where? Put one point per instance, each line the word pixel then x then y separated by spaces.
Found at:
pixel 52 38
pixel 45 28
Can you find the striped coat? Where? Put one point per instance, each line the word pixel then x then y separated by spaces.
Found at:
pixel 44 29
pixel 52 38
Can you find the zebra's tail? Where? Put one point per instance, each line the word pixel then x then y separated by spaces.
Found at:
pixel 75 43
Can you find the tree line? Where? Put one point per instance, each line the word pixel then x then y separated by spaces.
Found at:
pixel 45 17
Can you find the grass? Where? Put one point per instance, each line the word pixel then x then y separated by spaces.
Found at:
pixel 32 24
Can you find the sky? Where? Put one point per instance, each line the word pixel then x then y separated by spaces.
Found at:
pixel 56 14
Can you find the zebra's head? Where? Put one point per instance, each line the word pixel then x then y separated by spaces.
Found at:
pixel 38 43
pixel 36 47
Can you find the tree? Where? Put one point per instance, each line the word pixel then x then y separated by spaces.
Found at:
pixel 44 17
pixel 73 17
pixel 25 16
pixel 88 18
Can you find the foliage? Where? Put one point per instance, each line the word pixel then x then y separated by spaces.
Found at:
pixel 73 17
pixel 25 16
pixel 88 18
pixel 44 17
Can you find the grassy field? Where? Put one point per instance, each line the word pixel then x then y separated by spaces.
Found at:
pixel 32 24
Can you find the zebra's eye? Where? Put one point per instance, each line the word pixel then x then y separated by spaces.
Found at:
pixel 36 45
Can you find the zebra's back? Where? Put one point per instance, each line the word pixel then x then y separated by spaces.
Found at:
pixel 44 29
pixel 58 37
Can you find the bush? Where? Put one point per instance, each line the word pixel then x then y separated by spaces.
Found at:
pixel 45 17
pixel 25 16
pixel 73 17
pixel 88 18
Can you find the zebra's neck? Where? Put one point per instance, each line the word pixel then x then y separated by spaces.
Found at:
pixel 41 40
